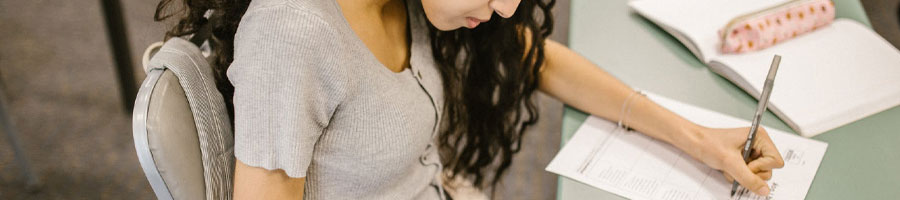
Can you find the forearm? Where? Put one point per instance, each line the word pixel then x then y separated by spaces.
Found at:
pixel 579 83
pixel 259 183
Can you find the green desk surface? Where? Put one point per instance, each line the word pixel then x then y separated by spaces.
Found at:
pixel 862 160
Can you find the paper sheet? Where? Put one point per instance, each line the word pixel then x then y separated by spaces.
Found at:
pixel 635 166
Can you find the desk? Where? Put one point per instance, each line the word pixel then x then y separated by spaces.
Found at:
pixel 863 158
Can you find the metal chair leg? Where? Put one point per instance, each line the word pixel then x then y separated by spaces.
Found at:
pixel 115 28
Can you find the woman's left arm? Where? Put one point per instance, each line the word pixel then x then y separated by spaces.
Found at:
pixel 579 83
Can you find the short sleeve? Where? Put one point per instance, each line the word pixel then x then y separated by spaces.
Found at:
pixel 287 84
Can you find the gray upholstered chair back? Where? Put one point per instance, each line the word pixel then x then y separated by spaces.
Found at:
pixel 182 134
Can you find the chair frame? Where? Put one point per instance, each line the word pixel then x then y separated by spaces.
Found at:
pixel 141 141
pixel 142 108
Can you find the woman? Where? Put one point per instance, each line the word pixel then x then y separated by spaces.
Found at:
pixel 392 99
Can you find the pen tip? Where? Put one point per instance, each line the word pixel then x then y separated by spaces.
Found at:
pixel 732 193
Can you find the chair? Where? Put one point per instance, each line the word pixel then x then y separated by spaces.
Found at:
pixel 182 133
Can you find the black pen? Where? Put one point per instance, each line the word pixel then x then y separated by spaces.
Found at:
pixel 760 109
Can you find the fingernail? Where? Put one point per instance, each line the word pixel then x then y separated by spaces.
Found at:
pixel 764 191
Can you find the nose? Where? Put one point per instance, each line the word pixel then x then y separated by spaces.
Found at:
pixel 504 8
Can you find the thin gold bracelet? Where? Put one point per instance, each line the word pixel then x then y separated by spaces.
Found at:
pixel 626 109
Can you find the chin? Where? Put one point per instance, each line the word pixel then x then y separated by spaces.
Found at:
pixel 446 26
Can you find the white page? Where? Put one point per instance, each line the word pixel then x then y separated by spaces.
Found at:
pixel 635 166
pixel 698 20
pixel 827 78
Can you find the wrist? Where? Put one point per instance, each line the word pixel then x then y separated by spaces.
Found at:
pixel 689 137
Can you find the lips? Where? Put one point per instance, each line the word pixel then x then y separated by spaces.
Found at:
pixel 472 22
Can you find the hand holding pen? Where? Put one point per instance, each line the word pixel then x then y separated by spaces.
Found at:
pixel 760 109
pixel 724 149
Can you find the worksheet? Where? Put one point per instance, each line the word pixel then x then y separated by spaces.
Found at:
pixel 635 166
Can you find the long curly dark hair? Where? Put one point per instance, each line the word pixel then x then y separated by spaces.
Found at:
pixel 489 74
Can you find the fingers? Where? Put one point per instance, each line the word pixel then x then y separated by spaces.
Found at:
pixel 755 153
pixel 769 158
pixel 765 175
pixel 763 159
pixel 764 163
pixel 747 178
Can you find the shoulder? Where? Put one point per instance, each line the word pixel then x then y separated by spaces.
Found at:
pixel 290 21
pixel 295 27
pixel 288 38
pixel 317 8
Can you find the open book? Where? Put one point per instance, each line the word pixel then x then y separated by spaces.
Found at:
pixel 829 77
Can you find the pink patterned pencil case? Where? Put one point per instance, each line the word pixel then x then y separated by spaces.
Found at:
pixel 767 27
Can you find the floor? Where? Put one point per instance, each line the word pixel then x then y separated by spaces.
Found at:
pixel 58 80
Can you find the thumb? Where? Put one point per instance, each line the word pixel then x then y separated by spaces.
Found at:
pixel 746 178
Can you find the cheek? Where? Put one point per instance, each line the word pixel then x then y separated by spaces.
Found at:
pixel 438 19
pixel 437 13
pixel 448 14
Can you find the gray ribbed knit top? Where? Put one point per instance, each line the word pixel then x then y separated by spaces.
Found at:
pixel 312 100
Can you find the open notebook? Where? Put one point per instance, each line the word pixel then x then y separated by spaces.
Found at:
pixel 827 78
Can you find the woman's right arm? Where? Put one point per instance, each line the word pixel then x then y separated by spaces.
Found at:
pixel 258 183
pixel 288 81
